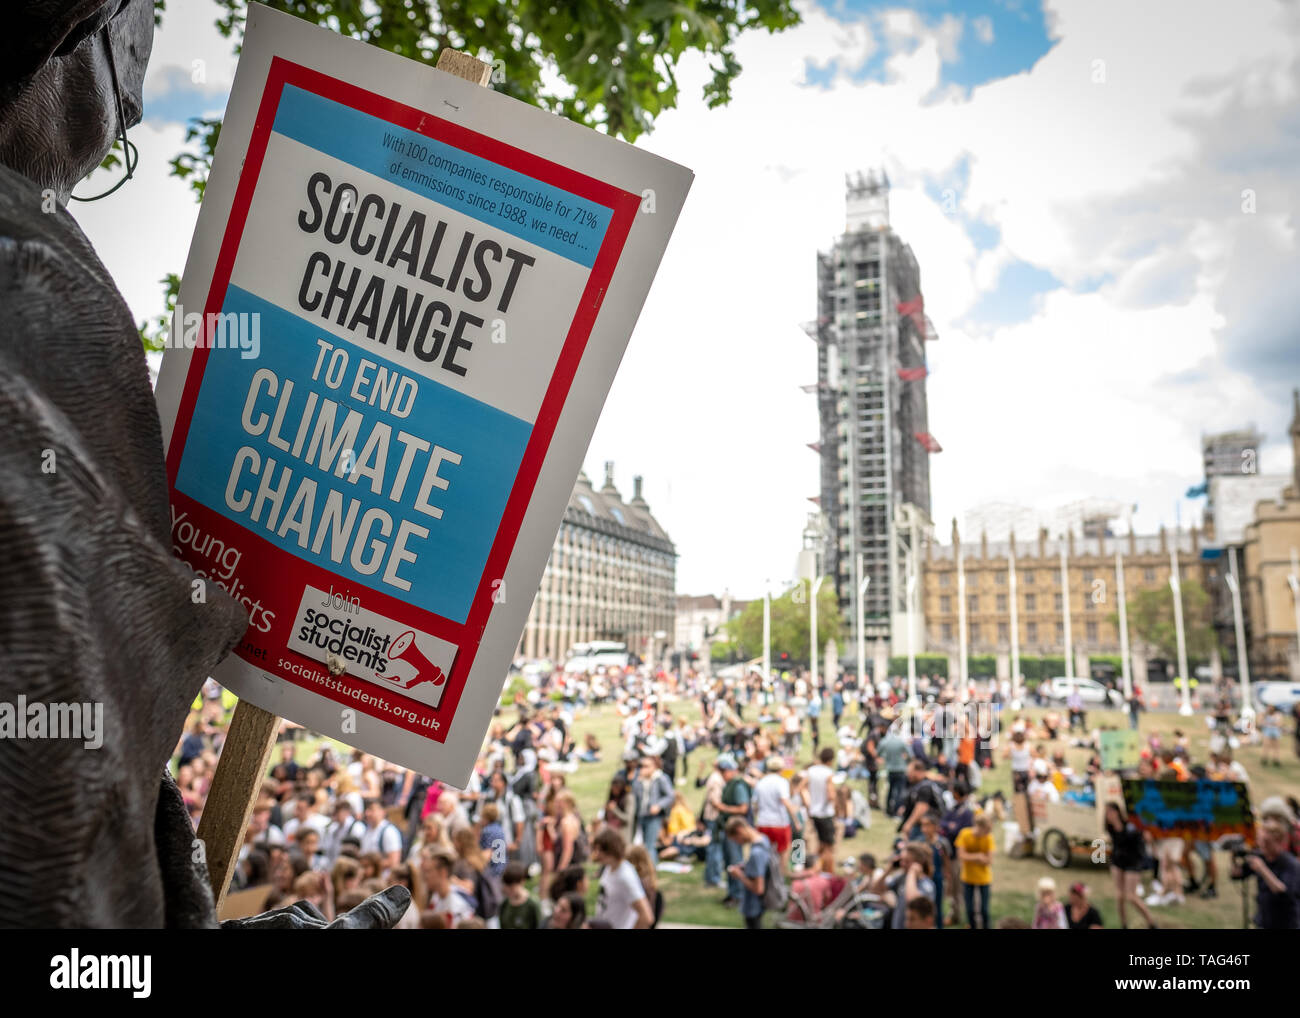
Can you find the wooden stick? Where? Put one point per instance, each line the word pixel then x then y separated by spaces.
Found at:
pixel 465 66
pixel 238 776
pixel 247 750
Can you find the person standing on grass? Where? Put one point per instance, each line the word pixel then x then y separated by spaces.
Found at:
pixel 955 820
pixel 1271 730
pixel 654 795
pixel 975 849
pixel 621 902
pixel 714 821
pixel 894 753
pixel 752 876
pixel 1075 704
pixel 942 856
pixel 1127 861
pixel 1019 752
pixel 821 797
pixel 772 806
pixel 736 798
pixel 923 797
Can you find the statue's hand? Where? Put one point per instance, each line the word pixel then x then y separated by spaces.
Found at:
pixel 378 912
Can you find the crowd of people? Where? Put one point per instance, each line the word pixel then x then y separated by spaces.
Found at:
pixel 513 848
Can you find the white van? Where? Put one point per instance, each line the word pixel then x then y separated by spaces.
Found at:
pixel 1282 695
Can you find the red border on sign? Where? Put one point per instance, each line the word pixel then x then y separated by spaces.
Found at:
pixel 291 572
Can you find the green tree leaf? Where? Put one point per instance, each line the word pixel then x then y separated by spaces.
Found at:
pixel 790 624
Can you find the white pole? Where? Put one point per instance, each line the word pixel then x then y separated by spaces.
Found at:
pixel 1065 613
pixel 767 631
pixel 812 625
pixel 862 640
pixel 1123 627
pixel 1015 635
pixel 912 700
pixel 1243 652
pixel 1174 582
pixel 961 627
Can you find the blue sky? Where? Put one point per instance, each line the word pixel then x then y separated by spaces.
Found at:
pixel 998 38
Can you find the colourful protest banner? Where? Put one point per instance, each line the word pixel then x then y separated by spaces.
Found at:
pixel 1195 810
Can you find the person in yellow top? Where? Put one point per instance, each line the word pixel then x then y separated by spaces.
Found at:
pixel 680 819
pixel 975 853
pixel 1059 774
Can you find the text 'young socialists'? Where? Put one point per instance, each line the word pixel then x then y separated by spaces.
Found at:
pixel 353 452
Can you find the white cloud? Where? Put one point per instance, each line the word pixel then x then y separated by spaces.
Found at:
pixel 1101 393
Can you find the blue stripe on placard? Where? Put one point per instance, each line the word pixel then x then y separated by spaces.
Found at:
pixel 490 443
pixel 505 199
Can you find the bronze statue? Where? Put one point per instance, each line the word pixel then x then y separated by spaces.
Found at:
pixel 94 608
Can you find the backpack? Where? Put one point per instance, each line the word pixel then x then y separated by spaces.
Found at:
pixel 382 830
pixel 775 892
pixel 581 846
pixel 488 895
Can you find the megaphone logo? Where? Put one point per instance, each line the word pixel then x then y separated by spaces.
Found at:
pixel 404 649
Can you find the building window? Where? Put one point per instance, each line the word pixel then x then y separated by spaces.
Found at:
pixel 1092 632
pixel 1060 632
pixel 1087 575
pixel 1031 631
pixel 1031 603
pixel 1002 632
pixel 1056 602
pixel 944 579
pixel 1002 602
pixel 973 603
pixel 974 633
pixel 945 603
pixel 1148 575
pixel 1002 579
pixel 946 630
pixel 1029 576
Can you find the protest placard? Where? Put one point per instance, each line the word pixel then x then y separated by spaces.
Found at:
pixel 1120 750
pixel 403 308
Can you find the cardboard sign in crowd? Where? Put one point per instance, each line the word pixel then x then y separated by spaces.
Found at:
pixel 403 307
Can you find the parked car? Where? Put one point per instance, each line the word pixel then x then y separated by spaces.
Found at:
pixel 1091 691
pixel 1282 695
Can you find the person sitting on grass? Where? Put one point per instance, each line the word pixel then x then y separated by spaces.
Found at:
pixel 590 749
pixel 1049 914
pixel 693 844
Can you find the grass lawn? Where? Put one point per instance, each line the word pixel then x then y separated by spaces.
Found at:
pixel 687 900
